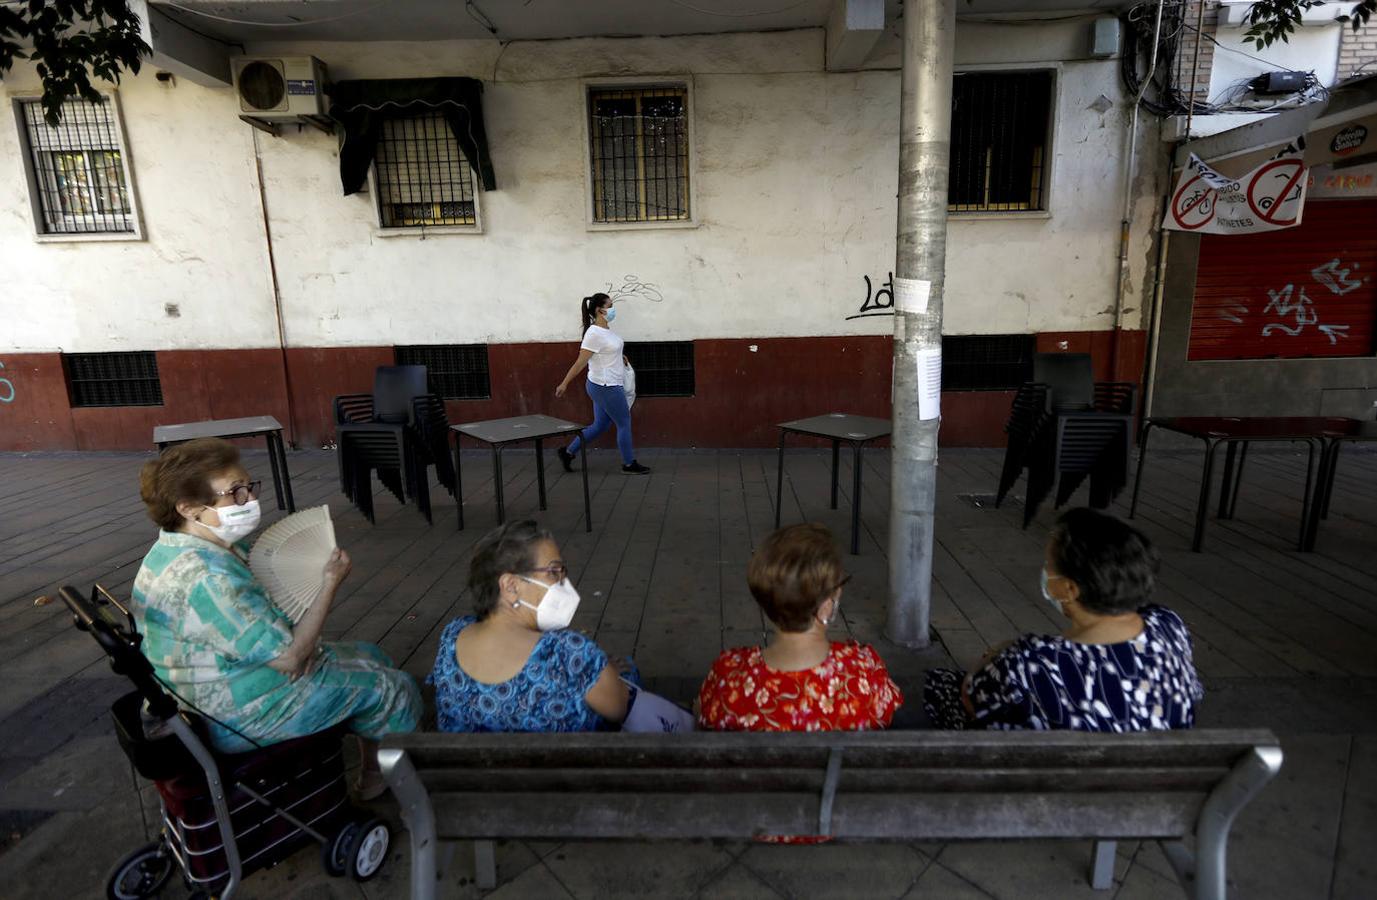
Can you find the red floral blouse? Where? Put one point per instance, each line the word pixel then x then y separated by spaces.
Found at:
pixel 849 691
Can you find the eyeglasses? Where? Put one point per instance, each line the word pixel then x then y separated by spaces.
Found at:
pixel 840 584
pixel 558 571
pixel 242 493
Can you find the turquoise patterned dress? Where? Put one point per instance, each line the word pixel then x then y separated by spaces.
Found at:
pixel 210 630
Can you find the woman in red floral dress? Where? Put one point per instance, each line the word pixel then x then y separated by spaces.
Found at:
pixel 801 681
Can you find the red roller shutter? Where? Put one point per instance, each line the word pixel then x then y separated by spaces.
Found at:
pixel 1303 292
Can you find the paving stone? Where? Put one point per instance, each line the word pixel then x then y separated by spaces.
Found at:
pixel 1025 869
pixel 830 870
pixel 1355 868
pixel 595 869
pixel 940 883
pixel 737 883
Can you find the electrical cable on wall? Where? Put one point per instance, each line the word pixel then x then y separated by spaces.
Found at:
pixel 262 24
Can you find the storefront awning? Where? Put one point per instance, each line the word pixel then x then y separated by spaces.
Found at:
pixel 362 105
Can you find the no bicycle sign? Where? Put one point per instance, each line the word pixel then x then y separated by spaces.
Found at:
pixel 1268 198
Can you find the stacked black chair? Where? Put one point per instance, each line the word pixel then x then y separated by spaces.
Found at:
pixel 391 432
pixel 1063 428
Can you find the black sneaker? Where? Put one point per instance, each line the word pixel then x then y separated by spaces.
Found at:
pixel 566 459
pixel 636 468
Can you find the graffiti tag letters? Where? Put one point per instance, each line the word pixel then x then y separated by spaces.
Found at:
pixel 877 302
pixel 634 288
pixel 6 388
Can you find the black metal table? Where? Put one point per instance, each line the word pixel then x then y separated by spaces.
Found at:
pixel 1332 440
pixel 1237 433
pixel 838 428
pixel 498 433
pixel 253 426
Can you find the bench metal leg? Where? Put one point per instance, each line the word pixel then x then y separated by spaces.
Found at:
pixel 497 482
pixel 277 476
pixel 419 817
pixel 540 470
pixel 1204 875
pixel 485 864
pixel 1102 865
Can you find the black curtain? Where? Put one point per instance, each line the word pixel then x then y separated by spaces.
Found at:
pixel 362 105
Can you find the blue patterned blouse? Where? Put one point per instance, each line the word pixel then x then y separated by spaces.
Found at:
pixel 546 695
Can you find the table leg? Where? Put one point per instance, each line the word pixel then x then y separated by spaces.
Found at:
pixel 1227 482
pixel 458 484
pixel 1138 478
pixel 587 503
pixel 1329 484
pixel 1324 489
pixel 1238 478
pixel 1202 508
pixel 1306 500
pixel 497 482
pixel 836 464
pixel 779 477
pixel 540 470
pixel 277 476
pixel 286 473
pixel 856 504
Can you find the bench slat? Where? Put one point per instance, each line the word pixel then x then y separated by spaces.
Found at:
pixel 644 816
pixel 927 780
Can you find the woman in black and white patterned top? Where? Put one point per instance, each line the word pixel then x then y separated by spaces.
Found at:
pixel 1120 665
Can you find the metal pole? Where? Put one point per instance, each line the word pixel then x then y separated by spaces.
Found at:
pixel 921 252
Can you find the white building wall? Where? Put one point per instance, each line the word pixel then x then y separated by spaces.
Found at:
pixel 794 197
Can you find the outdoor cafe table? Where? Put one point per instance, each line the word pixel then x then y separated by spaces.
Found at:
pixel 1332 440
pixel 1237 433
pixel 837 428
pixel 253 426
pixel 498 433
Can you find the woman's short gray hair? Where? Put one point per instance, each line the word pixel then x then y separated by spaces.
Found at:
pixel 507 549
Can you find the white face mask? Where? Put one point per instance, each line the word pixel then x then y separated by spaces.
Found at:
pixel 235 521
pixel 1047 594
pixel 557 608
pixel 611 314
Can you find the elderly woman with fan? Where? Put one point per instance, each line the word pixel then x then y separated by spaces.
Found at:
pixel 218 642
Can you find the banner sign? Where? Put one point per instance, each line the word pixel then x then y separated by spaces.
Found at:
pixel 1269 198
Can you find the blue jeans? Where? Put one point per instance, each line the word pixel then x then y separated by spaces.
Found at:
pixel 609 408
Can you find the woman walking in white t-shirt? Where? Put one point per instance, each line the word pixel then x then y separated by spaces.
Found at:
pixel 601 352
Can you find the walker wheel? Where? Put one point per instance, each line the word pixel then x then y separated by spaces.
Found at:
pixel 368 848
pixel 140 874
pixel 334 856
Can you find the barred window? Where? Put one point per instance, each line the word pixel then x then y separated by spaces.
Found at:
pixel 113 379
pixel 639 153
pixel 987 362
pixel 453 371
pixel 663 368
pixel 422 175
pixel 77 169
pixel 1000 130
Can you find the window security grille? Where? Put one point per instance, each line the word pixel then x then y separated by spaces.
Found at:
pixel 639 153
pixel 78 169
pixel 999 134
pixel 987 362
pixel 113 379
pixel 422 175
pixel 453 371
pixel 663 368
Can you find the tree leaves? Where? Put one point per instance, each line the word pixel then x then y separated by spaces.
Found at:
pixel 70 41
pixel 1276 20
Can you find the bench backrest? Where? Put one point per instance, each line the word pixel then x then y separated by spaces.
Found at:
pixel 876 785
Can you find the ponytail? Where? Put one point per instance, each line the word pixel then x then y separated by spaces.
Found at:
pixel 589 308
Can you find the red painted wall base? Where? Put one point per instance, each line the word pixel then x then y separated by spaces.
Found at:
pixel 743 388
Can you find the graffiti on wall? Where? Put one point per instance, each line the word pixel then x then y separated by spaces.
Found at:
pixel 877 302
pixel 633 288
pixel 1294 310
pixel 6 388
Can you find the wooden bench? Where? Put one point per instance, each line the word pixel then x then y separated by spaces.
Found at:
pixel 875 786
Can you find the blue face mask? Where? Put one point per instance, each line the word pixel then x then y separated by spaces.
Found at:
pixel 1046 594
pixel 611 314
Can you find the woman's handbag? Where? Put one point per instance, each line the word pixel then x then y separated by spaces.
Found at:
pixel 629 385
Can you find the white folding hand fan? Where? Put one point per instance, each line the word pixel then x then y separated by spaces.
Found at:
pixel 289 559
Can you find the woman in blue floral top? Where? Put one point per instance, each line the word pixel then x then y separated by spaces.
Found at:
pixel 1121 664
pixel 515 665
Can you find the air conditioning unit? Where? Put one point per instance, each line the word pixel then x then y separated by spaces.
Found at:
pixel 279 88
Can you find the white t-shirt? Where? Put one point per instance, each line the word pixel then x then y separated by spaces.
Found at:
pixel 605 367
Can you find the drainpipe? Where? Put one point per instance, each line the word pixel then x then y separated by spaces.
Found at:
pixel 919 269
pixel 277 294
pixel 1126 222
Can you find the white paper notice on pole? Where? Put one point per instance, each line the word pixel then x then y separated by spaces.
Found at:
pixel 911 295
pixel 930 383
